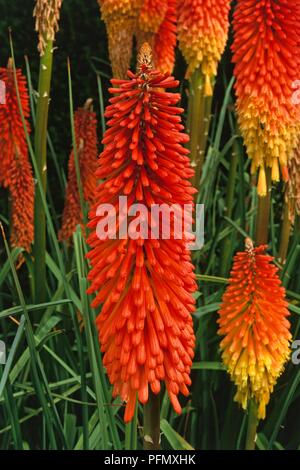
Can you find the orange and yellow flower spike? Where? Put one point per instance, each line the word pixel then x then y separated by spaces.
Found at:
pixel 165 40
pixel 150 19
pixel 266 51
pixel 292 193
pixel 120 17
pixel 202 33
pixel 253 322
pixel 144 285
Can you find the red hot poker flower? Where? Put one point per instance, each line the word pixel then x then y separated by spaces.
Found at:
pixel 121 18
pixel 145 285
pixel 12 135
pixel 292 192
pixel 85 123
pixel 165 40
pixel 15 168
pixel 150 19
pixel 202 34
pixel 253 321
pixel 266 51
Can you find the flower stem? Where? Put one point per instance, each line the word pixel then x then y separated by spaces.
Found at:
pixel 199 109
pixel 263 214
pixel 285 235
pixel 152 423
pixel 131 432
pixel 40 144
pixel 75 149
pixel 226 251
pixel 261 237
pixel 252 425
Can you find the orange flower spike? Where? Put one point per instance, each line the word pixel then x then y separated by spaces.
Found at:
pixel 266 51
pixel 12 135
pixel 151 16
pixel 165 40
pixel 15 168
pixel 292 192
pixel 120 17
pixel 145 285
pixel 202 34
pixel 253 321
pixel 85 123
pixel 22 203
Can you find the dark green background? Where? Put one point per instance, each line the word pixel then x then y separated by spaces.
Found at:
pixel 81 37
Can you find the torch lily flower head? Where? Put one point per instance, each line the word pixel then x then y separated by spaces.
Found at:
pixel 21 189
pixel 266 51
pixel 144 284
pixel 202 33
pixel 16 172
pixel 292 193
pixel 85 123
pixel 120 17
pixel 165 40
pixel 252 319
pixel 47 13
pixel 150 19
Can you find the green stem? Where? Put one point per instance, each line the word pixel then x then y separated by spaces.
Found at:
pixel 40 143
pixel 263 214
pixel 131 432
pixel 198 121
pixel 226 247
pixel 207 119
pixel 214 279
pixel 252 425
pixel 285 235
pixel 75 149
pixel 101 103
pixel 152 423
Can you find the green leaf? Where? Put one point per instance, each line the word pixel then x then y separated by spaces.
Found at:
pixel 176 441
pixel 12 353
pixel 205 309
pixel 32 308
pixel 208 366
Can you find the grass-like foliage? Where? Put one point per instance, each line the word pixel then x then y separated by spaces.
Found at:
pixel 54 390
